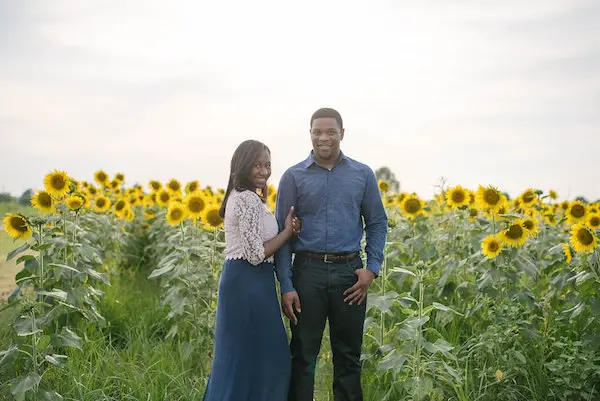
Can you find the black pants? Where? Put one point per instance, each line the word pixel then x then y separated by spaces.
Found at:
pixel 321 287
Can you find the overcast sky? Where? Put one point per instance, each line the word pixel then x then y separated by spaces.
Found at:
pixel 480 92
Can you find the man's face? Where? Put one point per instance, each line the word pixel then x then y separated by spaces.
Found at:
pixel 326 136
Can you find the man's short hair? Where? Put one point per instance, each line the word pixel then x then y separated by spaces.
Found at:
pixel 327 113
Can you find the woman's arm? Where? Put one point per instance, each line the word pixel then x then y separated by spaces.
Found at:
pixel 249 209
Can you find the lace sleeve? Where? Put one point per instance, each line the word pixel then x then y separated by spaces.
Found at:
pixel 248 208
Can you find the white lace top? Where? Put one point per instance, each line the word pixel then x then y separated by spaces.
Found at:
pixel 248 224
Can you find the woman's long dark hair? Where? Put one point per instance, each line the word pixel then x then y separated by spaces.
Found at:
pixel 242 163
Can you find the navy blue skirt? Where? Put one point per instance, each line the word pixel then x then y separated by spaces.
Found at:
pixel 251 355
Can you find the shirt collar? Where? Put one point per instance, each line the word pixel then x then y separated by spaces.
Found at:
pixel 310 159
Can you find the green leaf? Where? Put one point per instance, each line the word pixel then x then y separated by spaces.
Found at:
pixel 66 338
pixel 403 271
pixel 17 251
pixel 63 268
pixel 25 326
pixel 24 275
pixel 44 395
pixel 416 322
pixel 520 356
pixel 162 270
pixel 23 384
pixel 392 361
pixel 24 258
pixel 7 357
pixel 56 360
pixel 55 293
pixel 443 307
pixel 98 276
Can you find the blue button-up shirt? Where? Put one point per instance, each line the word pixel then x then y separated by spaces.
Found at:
pixel 332 205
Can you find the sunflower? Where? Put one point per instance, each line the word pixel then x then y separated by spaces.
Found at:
pixel 491 246
pixel 75 202
pixel 101 204
pixel 514 235
pixel 121 206
pixel 531 224
pixel 552 194
pixel 577 212
pixel 148 214
pixel 176 213
pixel 148 201
pixel 57 183
pixel 567 252
pixel 593 209
pixel 100 177
pixel 154 185
pixel 272 198
pixel 529 197
pixel 383 185
pixel 120 177
pixel 583 239
pixel 473 213
pixel 133 199
pixel 593 221
pixel 17 226
pixel 489 198
pixel 173 186
pixel 457 197
pixel 412 206
pixel 192 186
pixel 43 202
pixel 163 197
pixel 564 205
pixel 195 203
pixel 92 190
pixel 127 214
pixel 114 184
pixel 211 217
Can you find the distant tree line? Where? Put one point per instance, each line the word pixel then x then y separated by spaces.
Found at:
pixel 24 199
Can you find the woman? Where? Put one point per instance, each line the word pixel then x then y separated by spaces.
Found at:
pixel 251 356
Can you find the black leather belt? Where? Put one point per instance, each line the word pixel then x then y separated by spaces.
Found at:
pixel 328 257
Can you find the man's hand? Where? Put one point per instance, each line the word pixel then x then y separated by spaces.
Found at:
pixel 358 292
pixel 290 302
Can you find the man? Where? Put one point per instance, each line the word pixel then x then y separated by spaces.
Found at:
pixel 331 194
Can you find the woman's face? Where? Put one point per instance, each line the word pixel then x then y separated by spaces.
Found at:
pixel 261 170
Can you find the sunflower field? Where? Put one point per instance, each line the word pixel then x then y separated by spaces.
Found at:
pixel 481 297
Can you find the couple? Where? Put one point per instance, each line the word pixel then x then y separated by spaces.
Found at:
pixel 321 204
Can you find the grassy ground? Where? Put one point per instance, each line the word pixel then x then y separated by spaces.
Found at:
pixel 8 269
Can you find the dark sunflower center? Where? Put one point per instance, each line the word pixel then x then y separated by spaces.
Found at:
pixel 458 196
pixel 101 177
pixel 528 197
pixel 473 212
pixel 565 205
pixel 471 198
pixel 585 237
pixel 120 206
pixel 412 206
pixel 176 214
pixel 164 197
pixel 514 232
pixel 44 199
pixel 93 191
pixel 493 246
pixel 174 186
pixel 193 187
pixel 18 224
pixel 213 218
pixel 155 186
pixel 100 202
pixel 528 224
pixel 577 211
pixel 120 177
pixel 75 203
pixel 58 182
pixel 196 205
pixel 595 221
pixel 491 197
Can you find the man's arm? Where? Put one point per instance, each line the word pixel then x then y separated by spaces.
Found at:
pixel 376 224
pixel 286 198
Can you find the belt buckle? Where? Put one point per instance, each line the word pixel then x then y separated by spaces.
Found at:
pixel 326 260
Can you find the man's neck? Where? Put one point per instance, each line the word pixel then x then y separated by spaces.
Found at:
pixel 328 163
